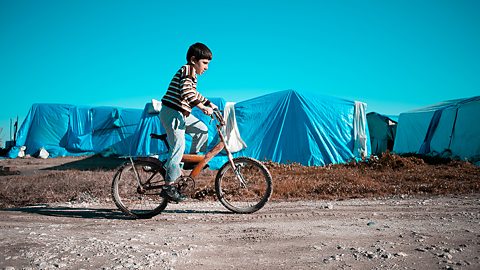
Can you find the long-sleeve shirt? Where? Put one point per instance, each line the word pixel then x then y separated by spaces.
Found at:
pixel 182 92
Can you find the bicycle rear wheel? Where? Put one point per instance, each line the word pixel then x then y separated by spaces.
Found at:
pixel 247 197
pixel 136 188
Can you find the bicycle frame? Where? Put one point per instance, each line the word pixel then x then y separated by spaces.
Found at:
pixel 202 160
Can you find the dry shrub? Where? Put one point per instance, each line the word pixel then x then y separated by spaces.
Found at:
pixel 54 186
pixel 389 175
pixel 332 182
pixel 387 161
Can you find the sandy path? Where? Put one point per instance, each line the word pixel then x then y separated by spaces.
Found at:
pixel 425 233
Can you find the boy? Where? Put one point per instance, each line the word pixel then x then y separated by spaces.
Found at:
pixel 176 117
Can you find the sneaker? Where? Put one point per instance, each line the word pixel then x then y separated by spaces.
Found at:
pixel 171 192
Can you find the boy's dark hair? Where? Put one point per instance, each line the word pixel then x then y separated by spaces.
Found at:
pixel 199 51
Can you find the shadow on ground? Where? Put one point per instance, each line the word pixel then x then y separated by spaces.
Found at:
pixel 91 213
pixel 186 211
pixel 92 163
pixel 95 213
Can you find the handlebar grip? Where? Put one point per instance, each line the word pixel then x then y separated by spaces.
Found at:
pixel 219 116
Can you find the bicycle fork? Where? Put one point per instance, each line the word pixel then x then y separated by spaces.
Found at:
pixel 236 170
pixel 239 176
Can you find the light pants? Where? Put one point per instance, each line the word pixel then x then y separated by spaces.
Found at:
pixel 176 125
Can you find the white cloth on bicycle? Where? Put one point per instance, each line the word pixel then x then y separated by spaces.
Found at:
pixel 232 134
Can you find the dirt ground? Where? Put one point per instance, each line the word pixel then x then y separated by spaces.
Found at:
pixel 408 233
pixel 414 226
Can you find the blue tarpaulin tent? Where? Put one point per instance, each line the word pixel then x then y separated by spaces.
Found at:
pixel 287 126
pixel 284 127
pixel 68 130
pixel 445 129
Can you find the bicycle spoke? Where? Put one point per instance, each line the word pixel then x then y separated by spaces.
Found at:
pixel 136 189
pixel 246 190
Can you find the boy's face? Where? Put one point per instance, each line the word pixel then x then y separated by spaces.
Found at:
pixel 200 65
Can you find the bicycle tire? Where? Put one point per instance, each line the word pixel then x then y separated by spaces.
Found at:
pixel 244 200
pixel 127 195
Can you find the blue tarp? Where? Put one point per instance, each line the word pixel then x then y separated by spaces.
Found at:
pixel 68 130
pixel 446 129
pixel 287 127
pixel 282 127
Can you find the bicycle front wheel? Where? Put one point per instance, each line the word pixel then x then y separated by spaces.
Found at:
pixel 248 189
pixel 136 189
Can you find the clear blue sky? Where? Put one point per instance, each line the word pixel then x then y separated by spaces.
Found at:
pixel 393 55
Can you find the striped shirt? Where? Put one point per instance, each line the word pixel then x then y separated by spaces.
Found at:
pixel 182 92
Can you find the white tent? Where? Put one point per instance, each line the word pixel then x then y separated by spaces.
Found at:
pixel 447 129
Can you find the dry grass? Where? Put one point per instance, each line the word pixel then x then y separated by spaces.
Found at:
pixel 54 186
pixel 390 175
pixel 387 176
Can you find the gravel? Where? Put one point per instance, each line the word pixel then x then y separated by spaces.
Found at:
pixel 420 233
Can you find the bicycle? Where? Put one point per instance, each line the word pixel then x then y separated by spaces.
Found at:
pixel 243 185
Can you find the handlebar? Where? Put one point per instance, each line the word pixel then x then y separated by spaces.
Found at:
pixel 218 115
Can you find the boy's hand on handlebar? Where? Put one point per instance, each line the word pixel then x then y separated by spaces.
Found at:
pixel 213 106
pixel 206 110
